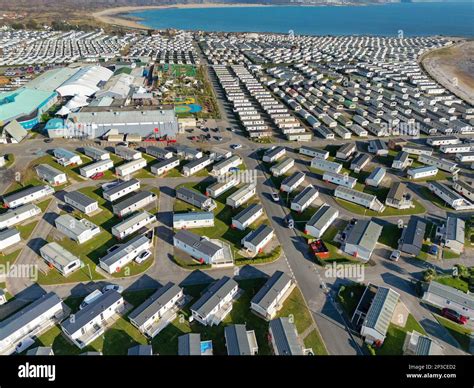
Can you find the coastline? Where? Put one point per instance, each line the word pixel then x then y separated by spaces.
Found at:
pixel 118 16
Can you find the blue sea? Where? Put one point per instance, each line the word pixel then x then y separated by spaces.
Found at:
pixel 414 19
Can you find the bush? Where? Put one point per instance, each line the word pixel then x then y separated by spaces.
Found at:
pixel 429 275
pixel 268 258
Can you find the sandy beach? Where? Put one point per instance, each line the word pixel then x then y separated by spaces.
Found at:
pixel 116 16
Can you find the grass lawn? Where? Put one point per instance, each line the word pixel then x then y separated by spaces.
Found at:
pixel 390 235
pixel 8 295
pixel 449 254
pixel 349 296
pixel 457 283
pixel 460 333
pixel 393 344
pixel 10 258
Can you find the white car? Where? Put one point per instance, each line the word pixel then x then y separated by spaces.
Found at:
pixel 142 257
pixel 275 197
pixel 90 298
pixel 395 255
pixel 114 287
pixel 236 146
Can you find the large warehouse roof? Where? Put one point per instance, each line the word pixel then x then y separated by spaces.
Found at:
pixel 84 82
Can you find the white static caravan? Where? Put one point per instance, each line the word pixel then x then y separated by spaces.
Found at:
pixel 376 177
pixel 340 179
pixel 314 152
pixel 130 167
pixel 273 154
pixel 465 157
pixel 442 164
pixel 326 165
pixel 63 260
pixel 304 199
pixel 321 220
pixel 15 216
pixel 193 220
pixel 366 200
pixel 9 237
pixel 28 195
pixel 257 239
pixel 51 175
pixel 442 140
pixel 131 224
pixel 81 202
pixel 121 189
pixel 124 254
pixel 422 172
pixel 218 188
pixel 449 196
pixel 196 165
pixel 291 183
pixel 127 153
pixel 282 167
pixel 247 216
pixel 66 158
pixel 158 152
pixel 165 165
pixel 78 230
pixel 96 153
pixel 226 165
pixel 97 167
pixel 464 188
pixel 455 148
pixel 241 196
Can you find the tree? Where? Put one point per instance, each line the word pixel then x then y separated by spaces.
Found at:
pixel 429 275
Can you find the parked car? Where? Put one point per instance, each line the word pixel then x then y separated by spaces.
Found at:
pixel 114 287
pixel 97 176
pixel 235 146
pixel 24 344
pixel 48 140
pixel 90 298
pixel 142 257
pixel 395 255
pixel 433 250
pixel 218 138
pixel 123 143
pixel 454 316
pixel 275 196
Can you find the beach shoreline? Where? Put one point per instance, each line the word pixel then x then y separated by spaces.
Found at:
pixel 118 16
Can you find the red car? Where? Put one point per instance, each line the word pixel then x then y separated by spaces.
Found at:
pixel 454 316
pixel 97 176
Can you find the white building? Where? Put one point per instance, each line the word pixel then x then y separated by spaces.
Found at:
pixel 127 153
pixel 93 320
pixel 134 203
pixel 23 197
pixel 273 154
pixel 449 196
pixel 159 153
pixel 321 221
pixel 131 167
pixel 340 179
pixel 314 152
pixel 31 321
pixel 401 161
pixel 198 247
pixel 9 237
pixel 247 217
pixel 78 230
pixel 256 240
pixel 132 224
pixel 117 259
pixel 51 175
pixel 442 164
pixel 326 165
pixel 366 200
pixel 466 189
pixel 96 153
pixel 242 195
pixel 443 296
pixel 18 215
pixel 121 189
pixel 291 183
pixel 271 297
pixel 81 202
pixel 304 199
pixel 422 172
pixel 224 167
pixel 96 167
pixel 61 259
pixel 160 309
pixel 376 177
pixel 66 158
pixel 282 167
pixel 216 303
pixel 220 187
pixel 193 220
pixel 196 165
pixel 165 165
